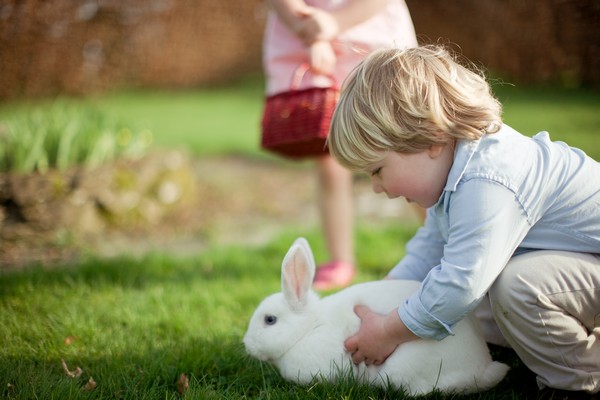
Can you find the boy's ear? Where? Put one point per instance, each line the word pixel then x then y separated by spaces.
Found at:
pixel 435 150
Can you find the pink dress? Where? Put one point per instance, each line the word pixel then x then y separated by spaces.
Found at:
pixel 283 52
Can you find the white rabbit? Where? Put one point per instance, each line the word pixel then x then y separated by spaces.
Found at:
pixel 303 336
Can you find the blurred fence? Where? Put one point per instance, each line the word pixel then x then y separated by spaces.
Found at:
pixel 83 46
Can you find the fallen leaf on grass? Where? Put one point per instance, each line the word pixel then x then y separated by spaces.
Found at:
pixel 71 374
pixel 69 340
pixel 90 385
pixel 183 383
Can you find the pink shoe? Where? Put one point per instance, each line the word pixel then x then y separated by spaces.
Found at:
pixel 334 275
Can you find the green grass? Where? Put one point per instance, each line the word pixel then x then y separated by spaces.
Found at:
pixel 569 115
pixel 210 121
pixel 226 120
pixel 139 324
pixel 204 122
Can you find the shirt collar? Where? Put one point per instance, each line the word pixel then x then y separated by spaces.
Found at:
pixel 462 155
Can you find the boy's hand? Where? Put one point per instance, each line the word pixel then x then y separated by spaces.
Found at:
pixel 378 336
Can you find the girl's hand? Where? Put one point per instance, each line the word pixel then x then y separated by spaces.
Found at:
pixel 322 58
pixel 313 24
pixel 317 25
pixel 378 336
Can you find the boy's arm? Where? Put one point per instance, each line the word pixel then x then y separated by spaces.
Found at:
pixel 423 252
pixel 483 234
pixel 486 225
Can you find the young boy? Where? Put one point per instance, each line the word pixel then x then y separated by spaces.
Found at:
pixel 513 217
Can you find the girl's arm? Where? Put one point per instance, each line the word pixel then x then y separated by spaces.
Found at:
pixel 324 25
pixel 356 12
pixel 313 24
pixel 291 12
pixel 322 58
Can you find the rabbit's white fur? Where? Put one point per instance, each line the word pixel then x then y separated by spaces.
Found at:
pixel 303 336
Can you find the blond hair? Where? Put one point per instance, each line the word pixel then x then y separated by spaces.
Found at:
pixel 407 100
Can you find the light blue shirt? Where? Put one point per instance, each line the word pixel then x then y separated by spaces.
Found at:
pixel 505 194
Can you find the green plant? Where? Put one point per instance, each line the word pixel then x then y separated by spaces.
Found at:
pixel 61 135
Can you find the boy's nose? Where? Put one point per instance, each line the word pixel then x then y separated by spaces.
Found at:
pixel 376 186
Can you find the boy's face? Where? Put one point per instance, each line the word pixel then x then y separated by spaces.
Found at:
pixel 418 177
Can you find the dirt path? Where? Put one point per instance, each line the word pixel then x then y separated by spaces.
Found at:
pixel 239 201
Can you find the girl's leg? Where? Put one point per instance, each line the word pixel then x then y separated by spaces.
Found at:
pixel 547 305
pixel 335 201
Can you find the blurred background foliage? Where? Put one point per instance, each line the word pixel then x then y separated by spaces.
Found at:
pixel 91 46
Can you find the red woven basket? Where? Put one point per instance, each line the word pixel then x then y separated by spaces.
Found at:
pixel 295 124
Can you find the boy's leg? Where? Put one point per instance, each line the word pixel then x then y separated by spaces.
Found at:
pixel 489 327
pixel 547 305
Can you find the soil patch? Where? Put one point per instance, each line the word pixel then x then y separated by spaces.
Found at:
pixel 237 201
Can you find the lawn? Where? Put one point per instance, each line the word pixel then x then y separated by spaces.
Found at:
pixel 226 120
pixel 134 326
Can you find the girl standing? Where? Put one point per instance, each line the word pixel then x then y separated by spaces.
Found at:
pixel 333 36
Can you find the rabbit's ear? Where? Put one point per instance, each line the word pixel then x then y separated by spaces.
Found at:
pixel 297 273
pixel 309 254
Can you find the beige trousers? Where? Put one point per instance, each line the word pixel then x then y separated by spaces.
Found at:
pixel 546 305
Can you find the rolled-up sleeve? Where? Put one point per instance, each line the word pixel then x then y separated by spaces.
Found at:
pixel 486 223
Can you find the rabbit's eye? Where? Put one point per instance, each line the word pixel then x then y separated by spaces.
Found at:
pixel 270 319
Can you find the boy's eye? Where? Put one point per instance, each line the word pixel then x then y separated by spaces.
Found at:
pixel 376 171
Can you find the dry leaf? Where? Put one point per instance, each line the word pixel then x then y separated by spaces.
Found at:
pixel 72 374
pixel 90 385
pixel 69 340
pixel 183 383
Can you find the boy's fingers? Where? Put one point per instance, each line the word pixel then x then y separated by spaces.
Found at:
pixel 351 344
pixel 361 311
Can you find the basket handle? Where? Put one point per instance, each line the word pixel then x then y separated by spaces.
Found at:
pixel 301 71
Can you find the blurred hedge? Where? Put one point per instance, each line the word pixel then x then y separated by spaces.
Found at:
pixel 83 46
